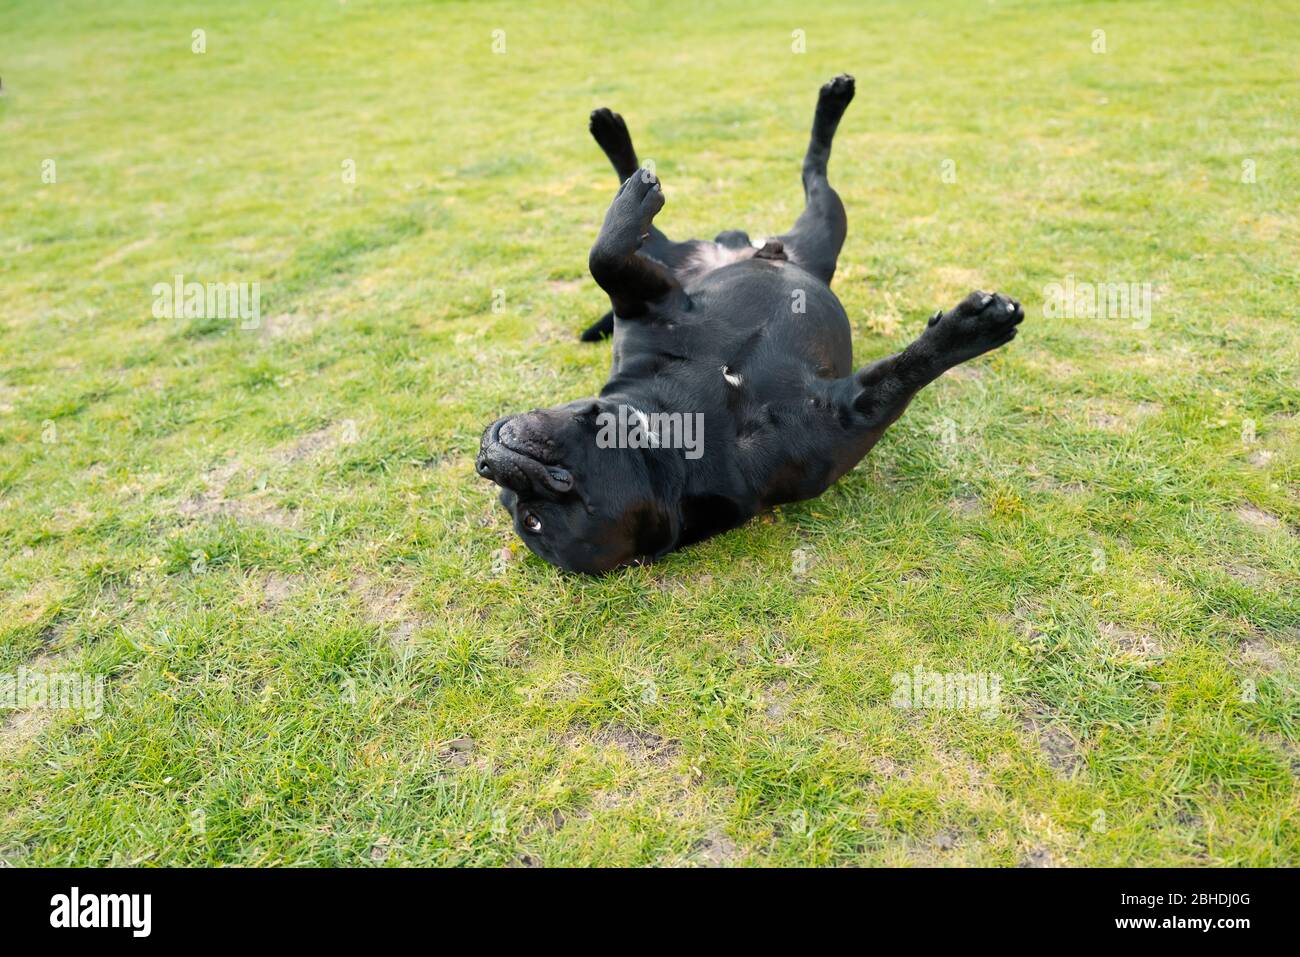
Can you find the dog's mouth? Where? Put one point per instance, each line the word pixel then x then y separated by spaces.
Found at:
pixel 518 454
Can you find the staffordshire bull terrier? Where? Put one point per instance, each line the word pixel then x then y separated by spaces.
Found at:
pixel 732 388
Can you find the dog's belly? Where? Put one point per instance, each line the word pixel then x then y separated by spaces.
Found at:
pixel 763 319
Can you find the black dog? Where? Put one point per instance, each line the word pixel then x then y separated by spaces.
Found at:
pixel 731 389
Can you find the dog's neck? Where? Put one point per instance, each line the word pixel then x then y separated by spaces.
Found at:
pixel 705 491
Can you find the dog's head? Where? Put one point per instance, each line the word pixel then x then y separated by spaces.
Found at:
pixel 575 504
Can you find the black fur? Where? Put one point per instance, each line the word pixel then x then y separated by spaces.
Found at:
pixel 751 339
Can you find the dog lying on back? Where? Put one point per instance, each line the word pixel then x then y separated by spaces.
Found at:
pixel 732 387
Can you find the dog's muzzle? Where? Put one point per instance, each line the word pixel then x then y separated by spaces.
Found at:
pixel 516 452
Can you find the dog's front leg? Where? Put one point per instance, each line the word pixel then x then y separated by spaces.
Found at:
pixel 872 398
pixel 634 283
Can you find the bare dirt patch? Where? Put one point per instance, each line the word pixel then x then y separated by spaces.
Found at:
pixel 1134 645
pixel 387 604
pixel 307 446
pixel 548 822
pixel 20 728
pixel 52 637
pixel 1247 575
pixel 1063 753
pixel 1037 857
pixel 286 325
pixel 965 373
pixel 212 502
pixel 1258 652
pixel 278 588
pixel 1103 419
pixel 314 443
pixel 641 746
pixel 1056 368
pixel 715 850
pixel 960 771
pixel 946 840
pixel 380 849
pixel 887 769
pixel 569 687
pixel 205 504
pixel 776 703
pixel 967 506
pixel 1256 517
pixel 1023 620
pixel 382 602
pixel 458 752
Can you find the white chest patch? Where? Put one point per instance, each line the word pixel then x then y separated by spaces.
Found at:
pixel 644 421
pixel 710 256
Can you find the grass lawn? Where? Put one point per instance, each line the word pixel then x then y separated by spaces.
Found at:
pixel 271 546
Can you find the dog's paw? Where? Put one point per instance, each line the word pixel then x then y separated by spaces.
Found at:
pixel 840 89
pixel 835 97
pixel 980 322
pixel 609 130
pixel 639 199
pixel 602 328
pixel 627 223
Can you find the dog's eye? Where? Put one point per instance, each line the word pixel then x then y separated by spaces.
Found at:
pixel 532 522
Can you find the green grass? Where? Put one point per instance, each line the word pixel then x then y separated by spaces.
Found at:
pixel 272 547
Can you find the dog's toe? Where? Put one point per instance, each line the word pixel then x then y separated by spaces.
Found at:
pixel 981 321
pixel 608 129
pixel 604 118
pixel 840 85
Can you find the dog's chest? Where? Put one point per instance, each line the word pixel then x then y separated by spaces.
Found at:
pixel 707 257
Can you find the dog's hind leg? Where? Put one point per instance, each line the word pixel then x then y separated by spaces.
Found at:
pixel 818 234
pixel 610 132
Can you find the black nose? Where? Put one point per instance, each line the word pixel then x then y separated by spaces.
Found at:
pixel 518 453
pixel 507 468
